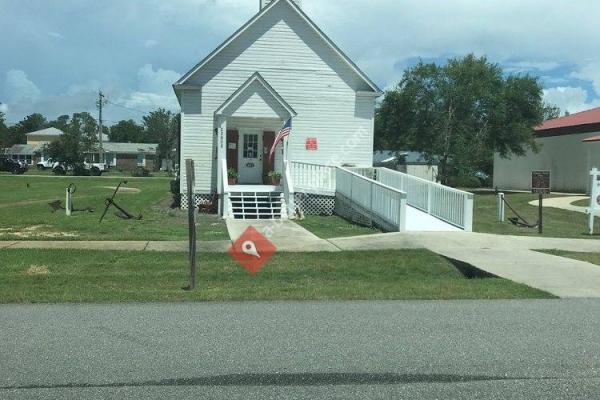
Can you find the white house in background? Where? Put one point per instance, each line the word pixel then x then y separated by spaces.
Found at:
pixel 569 150
pixel 277 66
pixel 410 162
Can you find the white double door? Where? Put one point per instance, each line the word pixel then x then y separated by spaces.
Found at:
pixel 250 157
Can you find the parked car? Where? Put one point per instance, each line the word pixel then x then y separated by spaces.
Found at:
pixel 85 169
pixel 10 165
pixel 46 164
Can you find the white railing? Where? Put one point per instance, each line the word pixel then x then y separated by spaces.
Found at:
pixel 319 179
pixel 448 204
pixel 288 189
pixel 226 211
pixel 386 203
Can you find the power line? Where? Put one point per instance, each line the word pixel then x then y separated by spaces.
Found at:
pixel 127 108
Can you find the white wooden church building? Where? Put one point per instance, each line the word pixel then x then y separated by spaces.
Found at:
pixel 276 67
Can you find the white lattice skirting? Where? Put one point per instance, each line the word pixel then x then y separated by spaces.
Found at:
pixel 199 199
pixel 315 204
pixel 310 204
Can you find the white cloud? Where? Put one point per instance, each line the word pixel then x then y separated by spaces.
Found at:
pixel 150 43
pixel 568 98
pixel 156 81
pixel 55 35
pixel 150 101
pixel 590 72
pixel 19 88
pixel 4 108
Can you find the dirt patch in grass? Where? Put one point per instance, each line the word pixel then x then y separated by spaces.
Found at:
pixel 44 231
pixel 34 270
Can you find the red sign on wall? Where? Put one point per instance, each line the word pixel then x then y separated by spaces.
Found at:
pixel 311 144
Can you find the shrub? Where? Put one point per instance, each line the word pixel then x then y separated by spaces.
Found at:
pixel 59 170
pixel 140 172
pixel 175 186
pixel 80 170
pixel 465 181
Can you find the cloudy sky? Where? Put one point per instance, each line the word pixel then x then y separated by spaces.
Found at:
pixel 56 54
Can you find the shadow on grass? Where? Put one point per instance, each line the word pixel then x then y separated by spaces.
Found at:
pixel 469 271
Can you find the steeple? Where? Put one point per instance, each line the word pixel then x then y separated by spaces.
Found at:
pixel 264 3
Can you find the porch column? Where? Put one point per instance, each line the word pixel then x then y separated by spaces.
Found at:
pixel 221 124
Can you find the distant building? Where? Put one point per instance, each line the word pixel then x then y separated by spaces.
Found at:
pixel 409 162
pixel 124 156
pixel 569 149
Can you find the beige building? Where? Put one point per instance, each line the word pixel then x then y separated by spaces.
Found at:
pixel 566 150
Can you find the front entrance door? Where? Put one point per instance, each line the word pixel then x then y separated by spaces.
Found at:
pixel 250 157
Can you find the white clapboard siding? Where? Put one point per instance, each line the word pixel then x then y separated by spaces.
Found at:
pixel 310 76
pixel 256 102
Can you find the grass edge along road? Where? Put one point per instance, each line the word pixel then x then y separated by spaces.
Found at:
pixel 57 276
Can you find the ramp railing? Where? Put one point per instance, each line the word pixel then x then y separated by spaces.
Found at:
pixel 315 178
pixel 385 204
pixel 443 202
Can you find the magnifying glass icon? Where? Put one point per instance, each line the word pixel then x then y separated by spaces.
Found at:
pixel 249 248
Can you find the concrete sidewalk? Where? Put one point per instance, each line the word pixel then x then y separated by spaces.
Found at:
pixel 174 246
pixel 286 235
pixel 563 203
pixel 510 257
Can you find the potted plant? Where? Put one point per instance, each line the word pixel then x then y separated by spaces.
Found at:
pixel 275 178
pixel 232 176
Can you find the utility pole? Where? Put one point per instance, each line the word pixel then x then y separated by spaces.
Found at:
pixel 100 103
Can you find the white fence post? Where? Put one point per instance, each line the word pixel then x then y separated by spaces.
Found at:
pixel 468 213
pixel 402 212
pixel 429 195
pixel 501 212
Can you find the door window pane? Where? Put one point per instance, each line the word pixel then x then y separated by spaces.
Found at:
pixel 250 146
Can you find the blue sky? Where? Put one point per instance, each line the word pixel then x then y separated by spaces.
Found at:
pixel 56 54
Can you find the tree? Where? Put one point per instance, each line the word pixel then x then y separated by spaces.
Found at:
pixel 79 138
pixel 460 113
pixel 160 129
pixel 17 134
pixel 3 130
pixel 126 132
pixel 60 123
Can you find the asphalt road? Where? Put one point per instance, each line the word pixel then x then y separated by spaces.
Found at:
pixel 335 350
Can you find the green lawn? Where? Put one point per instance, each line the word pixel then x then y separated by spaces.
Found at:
pixel 581 203
pixel 54 276
pixel 334 226
pixel 557 223
pixel 25 214
pixel 33 171
pixel 593 258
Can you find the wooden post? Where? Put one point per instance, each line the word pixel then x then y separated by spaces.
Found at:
pixel 540 213
pixel 68 201
pixel 190 175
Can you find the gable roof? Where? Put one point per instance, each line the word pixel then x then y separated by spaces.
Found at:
pixel 24 149
pixel 401 157
pixel 256 77
pixel 581 122
pixel 253 20
pixel 129 148
pixel 47 132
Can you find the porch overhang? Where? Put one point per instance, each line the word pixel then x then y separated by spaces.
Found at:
pixel 255 99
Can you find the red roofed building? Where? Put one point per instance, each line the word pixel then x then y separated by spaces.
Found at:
pixel 569 149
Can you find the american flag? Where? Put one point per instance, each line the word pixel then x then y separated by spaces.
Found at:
pixel 282 134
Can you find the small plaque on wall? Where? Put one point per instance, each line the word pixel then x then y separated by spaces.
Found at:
pixel 232 146
pixel 311 144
